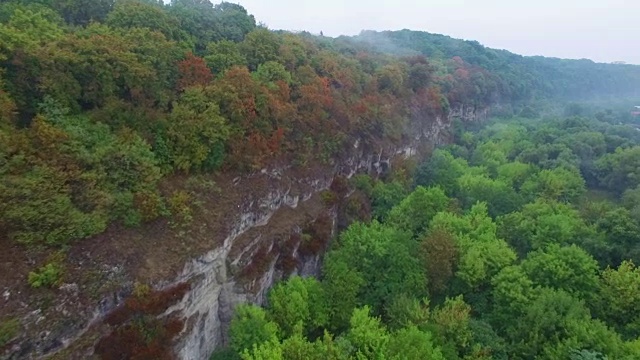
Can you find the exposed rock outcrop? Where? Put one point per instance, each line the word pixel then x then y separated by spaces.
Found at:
pixel 242 267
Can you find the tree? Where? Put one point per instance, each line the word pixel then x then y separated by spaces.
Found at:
pixel 384 256
pixel 341 284
pixel 538 327
pixel 512 293
pixel 621 230
pixel 568 268
pixel 452 321
pixel 391 78
pixel 270 350
pixel 620 171
pixel 298 302
pixel 146 14
pixel 515 173
pixel 82 12
pixel 439 254
pixel 271 72
pixel 558 184
pixel 223 55
pixel 196 133
pixel 442 170
pixel 250 328
pixel 193 71
pixel 412 344
pixel 618 299
pixel 27 30
pixel 499 195
pixel 37 209
pixel 367 335
pixel 385 196
pixel 234 21
pixel 547 222
pixel 489 154
pixel 482 253
pixel 260 46
pixel 415 212
pixel 405 311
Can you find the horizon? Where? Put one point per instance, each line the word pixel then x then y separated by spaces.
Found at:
pixel 600 33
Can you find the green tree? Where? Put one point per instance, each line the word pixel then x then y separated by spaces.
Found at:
pixel 412 344
pixel 416 211
pixel 140 14
pixel 618 299
pixel 270 350
pixel 443 170
pixel 367 335
pixel 196 133
pixel 558 184
pixel 482 253
pixel 250 329
pixel 499 195
pixel 385 196
pixel 515 173
pixel 547 222
pixel 404 311
pixel 452 323
pixel 223 55
pixel 271 72
pixel 259 47
pixel 234 21
pixel 567 268
pixel 82 12
pixel 620 171
pixel 490 154
pixel 538 328
pixel 512 292
pixel 341 284
pixel 384 256
pixel 298 302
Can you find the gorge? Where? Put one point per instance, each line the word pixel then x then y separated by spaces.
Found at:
pixel 161 164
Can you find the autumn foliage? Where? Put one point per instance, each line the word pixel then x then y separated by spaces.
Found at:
pixel 100 103
pixel 193 71
pixel 136 332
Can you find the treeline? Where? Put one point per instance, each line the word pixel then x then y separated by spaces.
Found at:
pixel 518 242
pixel 515 78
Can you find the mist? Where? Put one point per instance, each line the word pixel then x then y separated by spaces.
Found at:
pixel 603 31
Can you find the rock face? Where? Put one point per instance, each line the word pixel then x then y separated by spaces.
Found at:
pixel 257 242
pixel 208 307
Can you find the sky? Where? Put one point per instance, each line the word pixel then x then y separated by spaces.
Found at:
pixel 600 30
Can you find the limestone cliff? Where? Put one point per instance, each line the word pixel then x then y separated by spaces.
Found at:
pixel 237 263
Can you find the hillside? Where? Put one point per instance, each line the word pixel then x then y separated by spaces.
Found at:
pixel 517 78
pixel 158 157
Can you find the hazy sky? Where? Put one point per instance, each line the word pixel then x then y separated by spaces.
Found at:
pixel 601 30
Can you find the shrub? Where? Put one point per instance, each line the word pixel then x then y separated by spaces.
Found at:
pixel 364 183
pixel 148 204
pixel 329 198
pixel 8 330
pixel 49 275
pixel 179 206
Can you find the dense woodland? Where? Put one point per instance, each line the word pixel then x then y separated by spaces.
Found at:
pixel 100 100
pixel 527 224
pixel 514 76
pixel 518 242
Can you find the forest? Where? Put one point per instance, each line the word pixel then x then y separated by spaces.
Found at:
pixel 529 222
pixel 519 78
pixel 102 101
pixel 519 241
